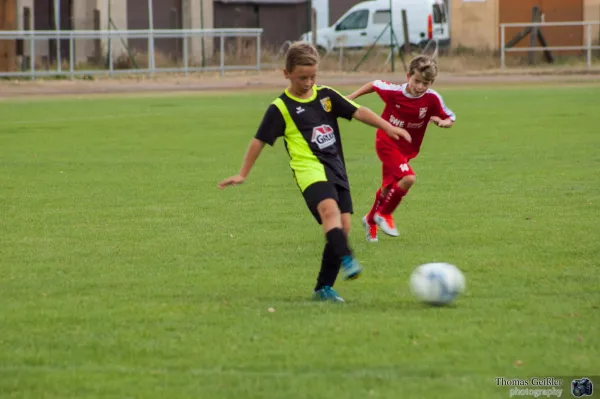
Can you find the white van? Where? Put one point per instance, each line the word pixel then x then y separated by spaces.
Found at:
pixel 363 24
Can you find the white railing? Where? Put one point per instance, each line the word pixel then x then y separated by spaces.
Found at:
pixel 588 47
pixel 186 36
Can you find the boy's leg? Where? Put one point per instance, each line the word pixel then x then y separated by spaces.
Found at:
pixel 383 217
pixel 379 197
pixel 326 202
pixel 368 222
pixel 395 195
pixel 331 206
pixel 330 267
pixel 331 263
pixel 397 177
pixel 332 225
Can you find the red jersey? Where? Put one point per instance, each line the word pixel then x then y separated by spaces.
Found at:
pixel 409 112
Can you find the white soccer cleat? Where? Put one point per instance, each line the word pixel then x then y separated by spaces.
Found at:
pixel 386 224
pixel 370 229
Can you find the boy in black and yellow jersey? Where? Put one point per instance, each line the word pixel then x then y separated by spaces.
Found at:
pixel 305 115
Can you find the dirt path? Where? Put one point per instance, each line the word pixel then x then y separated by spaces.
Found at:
pixel 268 80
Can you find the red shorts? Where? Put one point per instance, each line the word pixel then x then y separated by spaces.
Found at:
pixel 394 164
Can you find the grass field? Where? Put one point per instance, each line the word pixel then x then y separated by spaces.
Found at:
pixel 125 273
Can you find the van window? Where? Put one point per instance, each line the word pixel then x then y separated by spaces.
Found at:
pixel 357 20
pixel 381 17
pixel 439 14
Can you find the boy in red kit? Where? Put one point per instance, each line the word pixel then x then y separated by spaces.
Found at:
pixel 410 106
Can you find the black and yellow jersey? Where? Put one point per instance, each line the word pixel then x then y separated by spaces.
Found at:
pixel 311 133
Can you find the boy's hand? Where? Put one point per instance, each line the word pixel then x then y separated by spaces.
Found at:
pixel 397 133
pixel 232 181
pixel 443 123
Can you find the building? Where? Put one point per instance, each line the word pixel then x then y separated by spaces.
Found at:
pixel 119 15
pixel 265 14
pixel 475 24
pixel 167 14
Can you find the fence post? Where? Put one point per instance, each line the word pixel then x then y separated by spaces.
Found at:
pixel 589 45
pixel 32 51
pixel 502 47
pixel 185 54
pixel 71 56
pixel 151 39
pixel 258 51
pixel 57 27
pixel 222 55
pixel 111 66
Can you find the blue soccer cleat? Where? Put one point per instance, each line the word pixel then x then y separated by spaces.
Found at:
pixel 351 267
pixel 326 293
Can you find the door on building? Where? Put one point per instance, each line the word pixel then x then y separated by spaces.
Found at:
pixel 44 19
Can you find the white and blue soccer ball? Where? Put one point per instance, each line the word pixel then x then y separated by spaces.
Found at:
pixel 437 283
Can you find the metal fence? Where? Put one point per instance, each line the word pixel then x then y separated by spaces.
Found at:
pixel 587 47
pixel 107 41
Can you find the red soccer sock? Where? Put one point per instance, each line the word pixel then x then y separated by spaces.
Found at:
pixel 391 201
pixel 378 200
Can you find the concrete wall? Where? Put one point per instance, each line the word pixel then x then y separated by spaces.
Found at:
pixel 474 24
pixel 83 19
pixel 118 14
pixel 191 20
pixel 83 11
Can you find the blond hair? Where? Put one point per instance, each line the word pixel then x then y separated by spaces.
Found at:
pixel 301 54
pixel 425 65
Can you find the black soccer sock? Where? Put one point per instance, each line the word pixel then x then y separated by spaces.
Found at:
pixel 338 240
pixel 330 267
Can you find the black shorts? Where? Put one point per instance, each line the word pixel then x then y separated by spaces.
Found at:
pixel 319 191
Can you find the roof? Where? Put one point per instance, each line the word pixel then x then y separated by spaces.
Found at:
pixel 261 1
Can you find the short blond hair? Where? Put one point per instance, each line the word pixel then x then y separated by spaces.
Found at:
pixel 301 54
pixel 425 65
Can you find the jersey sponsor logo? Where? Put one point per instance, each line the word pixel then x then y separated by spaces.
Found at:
pixel 323 136
pixel 326 103
pixel 422 112
pixel 299 110
pixel 396 122
pixel 415 125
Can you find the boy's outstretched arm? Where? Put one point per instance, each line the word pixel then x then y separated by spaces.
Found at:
pixel 250 158
pixel 365 115
pixel 366 89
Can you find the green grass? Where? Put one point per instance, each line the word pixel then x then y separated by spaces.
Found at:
pixel 125 273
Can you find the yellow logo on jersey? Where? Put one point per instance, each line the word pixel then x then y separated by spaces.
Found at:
pixel 326 103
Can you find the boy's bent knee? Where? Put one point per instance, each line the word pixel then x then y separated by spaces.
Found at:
pixel 328 209
pixel 407 182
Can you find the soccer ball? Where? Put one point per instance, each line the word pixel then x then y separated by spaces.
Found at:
pixel 437 283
